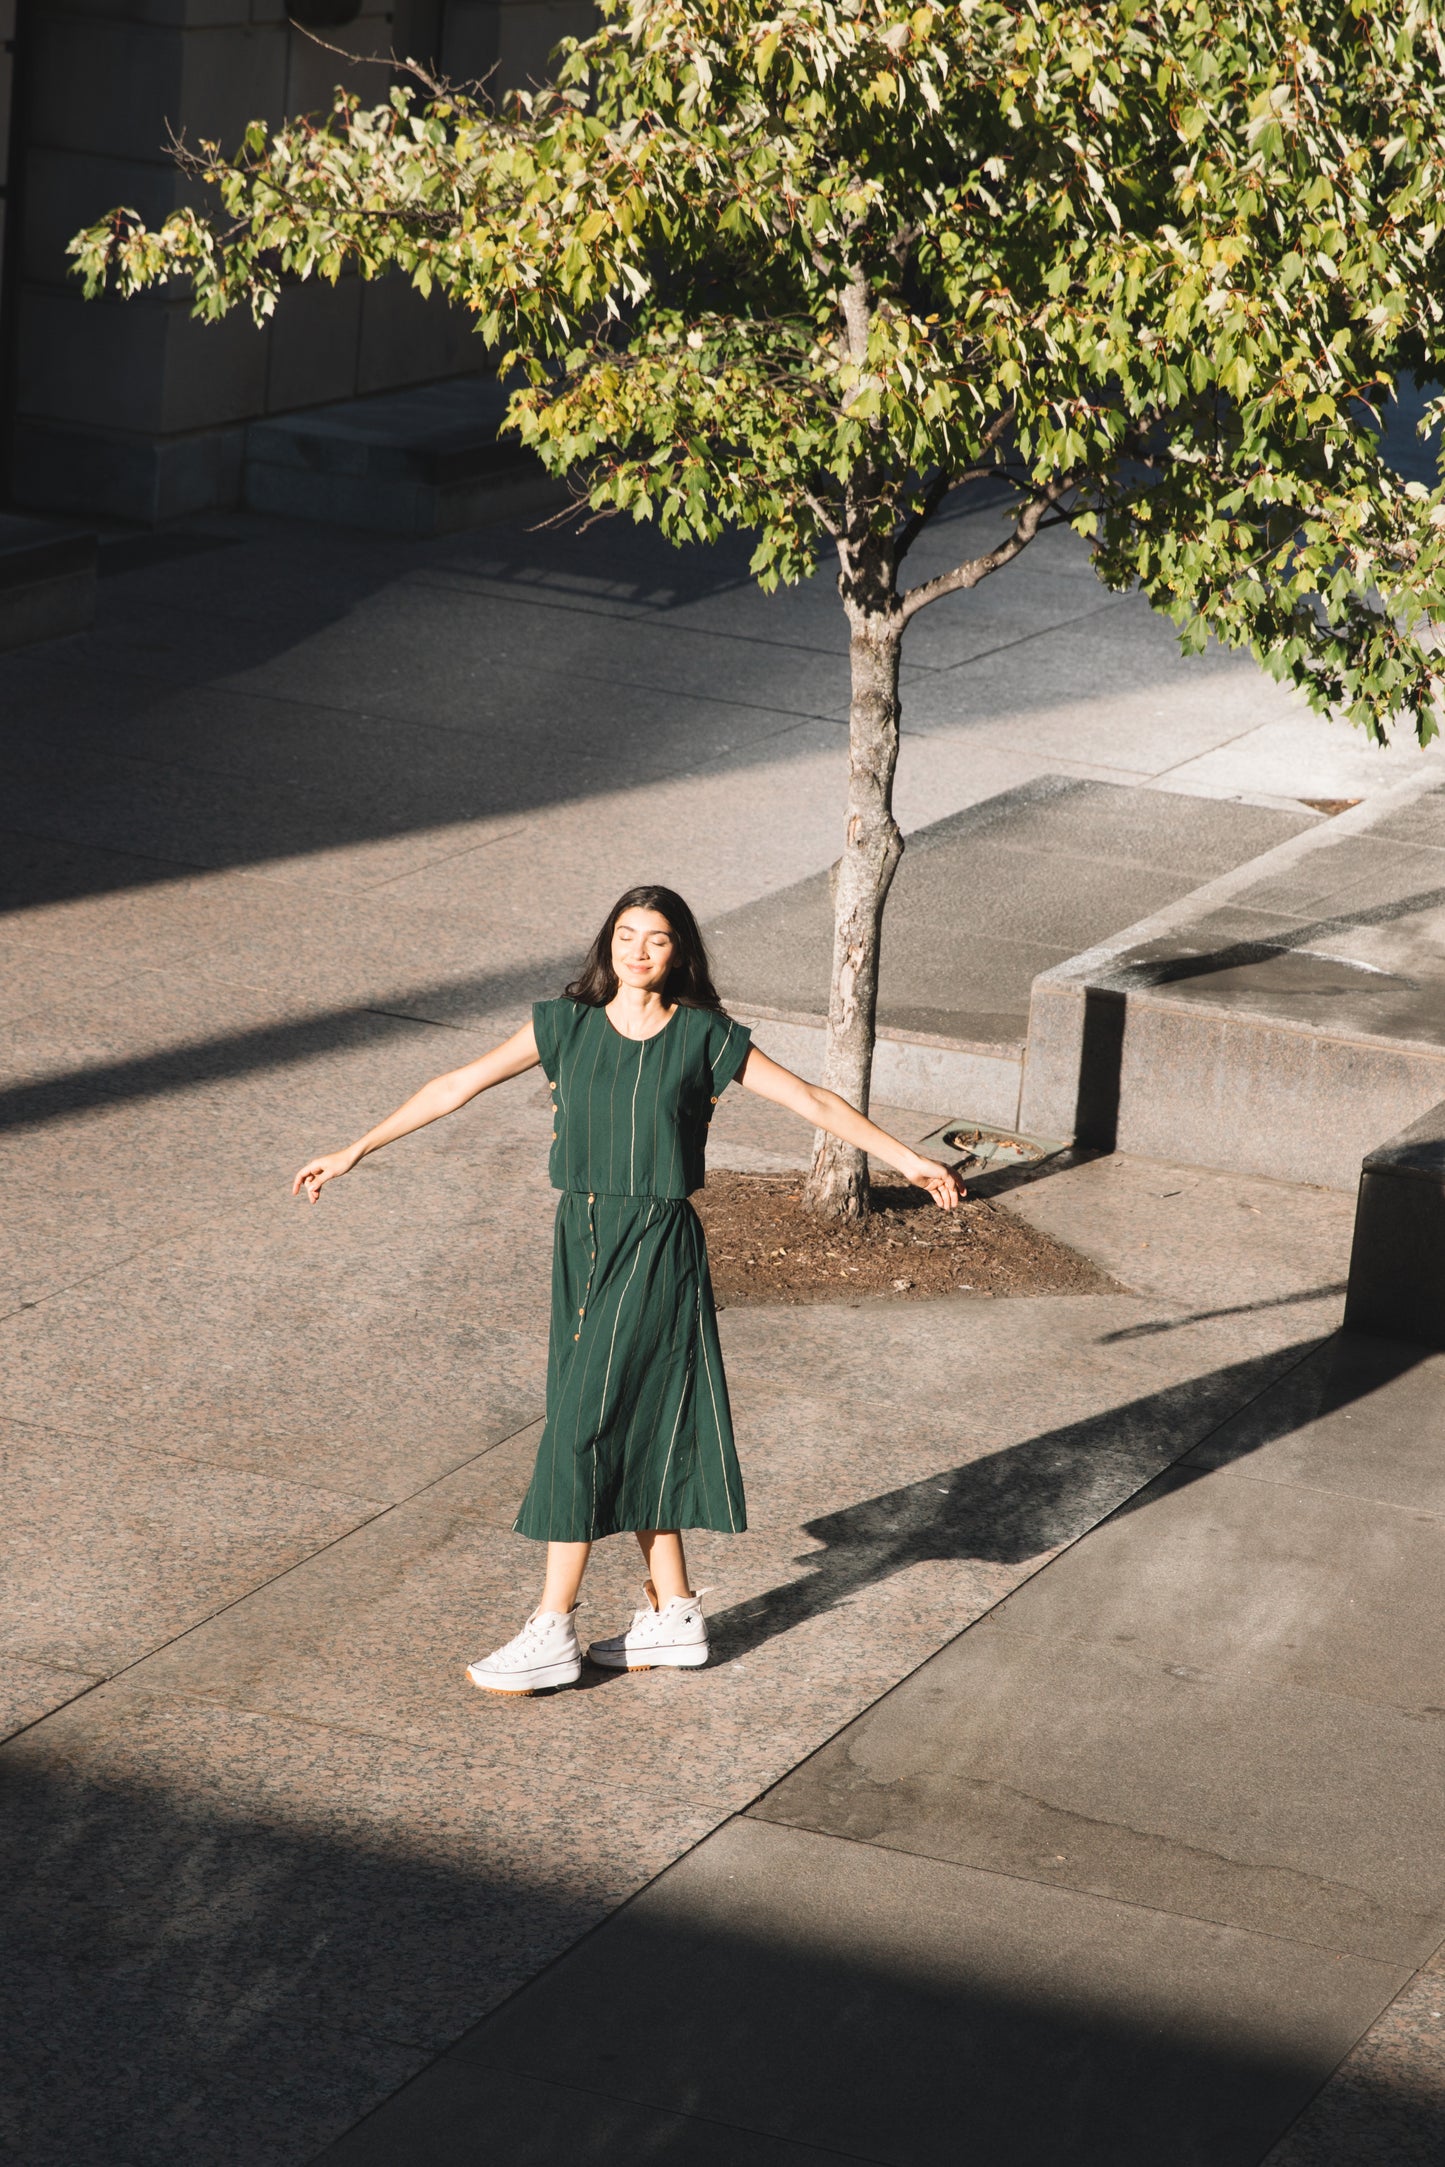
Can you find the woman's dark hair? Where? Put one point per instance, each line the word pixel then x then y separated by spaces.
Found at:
pixel 689 982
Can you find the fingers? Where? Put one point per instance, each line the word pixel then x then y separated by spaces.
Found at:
pixel 312 1179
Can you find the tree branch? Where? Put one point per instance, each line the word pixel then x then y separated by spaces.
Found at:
pixel 820 512
pixel 915 523
pixel 968 575
pixel 945 482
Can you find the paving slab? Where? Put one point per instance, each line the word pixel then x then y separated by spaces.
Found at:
pixel 1363 1420
pixel 1262 1580
pixel 1190 1790
pixel 878 2005
pixel 29 1691
pixel 108 1546
pixel 458 2116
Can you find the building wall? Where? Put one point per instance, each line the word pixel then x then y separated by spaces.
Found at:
pixel 134 410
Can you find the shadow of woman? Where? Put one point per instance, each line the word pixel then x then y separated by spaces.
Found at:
pixel 1017 1506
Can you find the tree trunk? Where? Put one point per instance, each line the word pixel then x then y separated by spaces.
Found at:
pixel 837 1187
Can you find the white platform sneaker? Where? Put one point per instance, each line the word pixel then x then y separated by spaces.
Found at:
pixel 671 1637
pixel 544 1654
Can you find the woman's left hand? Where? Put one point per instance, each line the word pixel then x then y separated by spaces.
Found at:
pixel 940 1181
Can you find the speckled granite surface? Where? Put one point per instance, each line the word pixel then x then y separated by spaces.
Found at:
pixel 303 822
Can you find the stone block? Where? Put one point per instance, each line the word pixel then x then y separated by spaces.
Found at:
pixel 1118 1067
pixel 47 580
pixel 146 366
pixel 981 903
pixel 59 467
pixel 421 462
pixel 1397 1264
pixel 67 190
pixel 410 338
pixel 469 39
pixel 528 33
pixel 1279 1021
pixel 313 341
pixel 172 14
pixel 141 78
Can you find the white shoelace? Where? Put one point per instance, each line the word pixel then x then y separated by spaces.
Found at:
pixel 533 1633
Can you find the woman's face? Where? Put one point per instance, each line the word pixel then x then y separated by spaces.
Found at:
pixel 642 950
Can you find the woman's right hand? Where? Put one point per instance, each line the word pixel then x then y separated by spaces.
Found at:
pixel 315 1174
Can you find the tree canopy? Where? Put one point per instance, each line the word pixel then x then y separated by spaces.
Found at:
pixel 803 266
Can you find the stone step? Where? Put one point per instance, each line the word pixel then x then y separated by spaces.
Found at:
pixel 424 461
pixel 981 904
pixel 1285 1019
pixel 47 579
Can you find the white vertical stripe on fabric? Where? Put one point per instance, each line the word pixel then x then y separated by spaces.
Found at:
pixel 622 1297
pixel 667 1463
pixel 632 1145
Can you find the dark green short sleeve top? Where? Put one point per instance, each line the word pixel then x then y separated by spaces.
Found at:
pixel 631 1115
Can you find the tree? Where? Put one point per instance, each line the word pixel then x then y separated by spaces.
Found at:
pixel 811 267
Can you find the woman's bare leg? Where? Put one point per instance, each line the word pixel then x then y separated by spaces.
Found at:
pixel 566 1563
pixel 666 1565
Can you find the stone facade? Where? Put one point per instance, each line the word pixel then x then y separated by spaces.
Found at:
pixel 132 410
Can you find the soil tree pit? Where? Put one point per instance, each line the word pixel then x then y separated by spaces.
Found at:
pixel 765 1246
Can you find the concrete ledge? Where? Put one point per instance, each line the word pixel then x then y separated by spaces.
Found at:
pixel 1397 1263
pixel 146 479
pixel 426 461
pixel 47 580
pixel 924 1075
pixel 1278 1020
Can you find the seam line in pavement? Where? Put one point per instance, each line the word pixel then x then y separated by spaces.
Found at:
pixel 115 1264
pixel 1397 1966
pixel 270 1581
pixel 1025 639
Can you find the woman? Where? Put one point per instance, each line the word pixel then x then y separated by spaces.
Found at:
pixel 638 1435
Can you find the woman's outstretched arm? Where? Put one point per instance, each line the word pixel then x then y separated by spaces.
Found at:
pixel 825 1110
pixel 443 1095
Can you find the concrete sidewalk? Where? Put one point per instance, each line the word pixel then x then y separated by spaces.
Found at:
pixel 307 818
pixel 1119 1877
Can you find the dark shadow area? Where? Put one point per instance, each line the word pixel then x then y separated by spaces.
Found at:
pixel 220 773
pixel 1211 1316
pixel 191 1981
pixel 1397 1258
pixel 1101 1066
pixel 833 2003
pixel 279 1045
pixel 1016 1505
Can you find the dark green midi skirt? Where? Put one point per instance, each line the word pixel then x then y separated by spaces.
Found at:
pixel 638 1432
